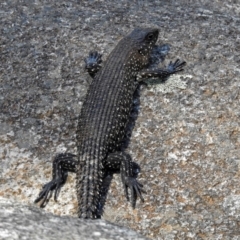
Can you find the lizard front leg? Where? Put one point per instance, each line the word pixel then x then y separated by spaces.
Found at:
pixel 92 63
pixel 162 74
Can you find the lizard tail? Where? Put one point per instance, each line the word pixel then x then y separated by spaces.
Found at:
pixel 89 184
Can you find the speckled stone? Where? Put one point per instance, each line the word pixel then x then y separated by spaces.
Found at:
pixel 186 140
pixel 18 221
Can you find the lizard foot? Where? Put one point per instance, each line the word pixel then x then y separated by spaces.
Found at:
pixel 93 61
pixel 47 191
pixel 136 189
pixel 175 67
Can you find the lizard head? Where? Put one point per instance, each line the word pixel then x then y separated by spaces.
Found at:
pixel 141 41
pixel 144 39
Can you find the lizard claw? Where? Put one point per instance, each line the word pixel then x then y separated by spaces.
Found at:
pixel 47 191
pixel 136 190
pixel 177 66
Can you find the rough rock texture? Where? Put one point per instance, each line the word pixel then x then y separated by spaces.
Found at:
pixel 186 141
pixel 19 221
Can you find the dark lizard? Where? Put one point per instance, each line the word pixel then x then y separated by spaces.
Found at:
pixel 102 124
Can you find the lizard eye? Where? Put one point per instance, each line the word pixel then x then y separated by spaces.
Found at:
pixel 150 36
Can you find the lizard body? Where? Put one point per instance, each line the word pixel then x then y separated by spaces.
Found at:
pixel 102 124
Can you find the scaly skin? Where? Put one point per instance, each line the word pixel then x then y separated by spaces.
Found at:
pixel 102 124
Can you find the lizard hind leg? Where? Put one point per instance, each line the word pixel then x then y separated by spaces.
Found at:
pixel 62 164
pixel 107 178
pixel 121 162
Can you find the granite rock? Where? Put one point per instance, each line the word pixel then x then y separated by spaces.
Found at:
pixel 18 221
pixel 186 138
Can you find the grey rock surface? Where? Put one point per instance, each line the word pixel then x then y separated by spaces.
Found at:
pixel 186 138
pixel 18 221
